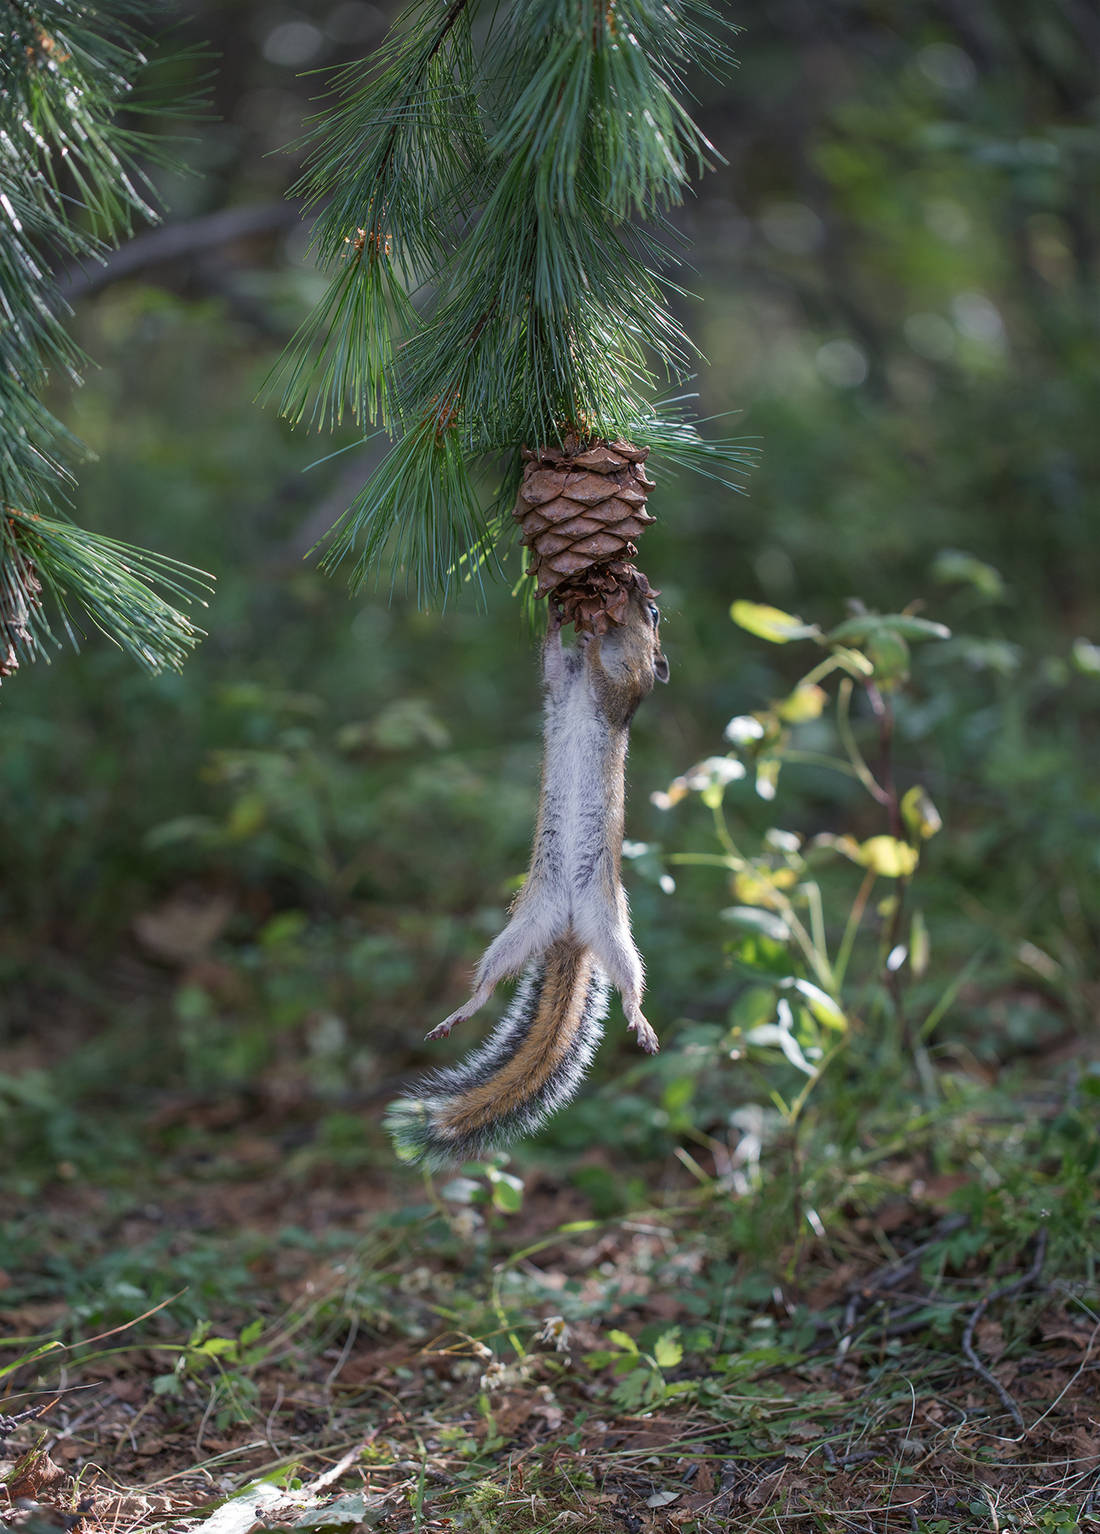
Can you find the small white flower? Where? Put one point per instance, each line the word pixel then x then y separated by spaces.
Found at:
pixel 500 1376
pixel 556 1331
pixel 635 849
pixel 744 728
pixel 466 1223
pixel 783 841
pixel 660 800
pixel 495 1377
pixel 668 884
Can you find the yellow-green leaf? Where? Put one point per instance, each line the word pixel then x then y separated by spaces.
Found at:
pixel 623 1340
pixel 668 1350
pixel 770 622
pixel 889 857
pixel 919 813
pixel 822 1007
pixel 806 702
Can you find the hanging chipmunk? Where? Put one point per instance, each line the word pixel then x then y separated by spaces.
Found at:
pixel 569 932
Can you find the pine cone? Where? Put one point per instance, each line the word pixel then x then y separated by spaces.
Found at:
pixel 580 510
pixel 20 591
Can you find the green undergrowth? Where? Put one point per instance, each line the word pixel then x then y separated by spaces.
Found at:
pixel 638 1365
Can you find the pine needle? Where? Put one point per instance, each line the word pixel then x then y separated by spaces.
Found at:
pixel 489 287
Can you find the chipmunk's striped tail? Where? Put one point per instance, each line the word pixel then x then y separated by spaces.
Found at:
pixel 530 1065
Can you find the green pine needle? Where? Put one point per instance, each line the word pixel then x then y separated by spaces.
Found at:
pixel 112 583
pixel 67 67
pixel 488 285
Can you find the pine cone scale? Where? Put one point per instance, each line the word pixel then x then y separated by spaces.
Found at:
pixel 579 512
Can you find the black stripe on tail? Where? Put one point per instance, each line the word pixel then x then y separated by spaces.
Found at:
pixel 414 1122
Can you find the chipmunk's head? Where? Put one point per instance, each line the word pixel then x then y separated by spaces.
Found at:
pixel 646 616
pixel 630 658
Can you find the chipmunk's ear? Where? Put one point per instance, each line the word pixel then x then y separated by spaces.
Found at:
pixel 660 667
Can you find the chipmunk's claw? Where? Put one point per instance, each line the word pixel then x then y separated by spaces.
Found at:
pixel 441 1032
pixel 647 1039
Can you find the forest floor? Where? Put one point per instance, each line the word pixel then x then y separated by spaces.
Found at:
pixel 355 1349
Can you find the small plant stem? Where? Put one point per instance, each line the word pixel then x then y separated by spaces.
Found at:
pixel 710 859
pixel 862 771
pixel 799 1102
pixel 796 1194
pixel 822 669
pixel 819 966
pixel 722 831
pixel 819 759
pixel 929 1025
pixel 817 919
pixel 855 916
pixel 502 1316
pixel 884 713
pixel 893 977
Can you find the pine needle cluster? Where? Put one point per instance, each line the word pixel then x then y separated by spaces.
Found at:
pixel 493 185
pixel 70 185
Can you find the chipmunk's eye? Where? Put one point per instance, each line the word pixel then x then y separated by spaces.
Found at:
pixel 655 614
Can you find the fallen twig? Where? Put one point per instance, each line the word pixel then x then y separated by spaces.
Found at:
pixel 343 1464
pixel 979 1311
pixel 8 1425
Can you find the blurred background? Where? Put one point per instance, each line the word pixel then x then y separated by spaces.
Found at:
pixel 232 901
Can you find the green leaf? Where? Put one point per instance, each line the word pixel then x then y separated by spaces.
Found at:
pixel 757 920
pixel 463 1190
pixel 507 1194
pixel 217 1347
pixel 822 1006
pixel 623 1340
pixel 860 628
pixel 771 623
pixel 668 1350
pixel 639 1388
pixel 355 1508
pixel 29 1358
pixel 952 566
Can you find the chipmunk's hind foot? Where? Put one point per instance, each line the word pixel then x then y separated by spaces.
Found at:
pixel 647 1039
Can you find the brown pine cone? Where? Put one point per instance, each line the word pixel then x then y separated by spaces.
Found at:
pixel 580 507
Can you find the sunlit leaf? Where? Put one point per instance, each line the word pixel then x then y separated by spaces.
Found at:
pixel 771 623
pixel 889 857
pixel 806 702
pixel 919 813
pixel 668 1349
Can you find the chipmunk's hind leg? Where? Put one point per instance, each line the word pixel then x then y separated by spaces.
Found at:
pixel 605 927
pixel 476 1002
pixel 533 927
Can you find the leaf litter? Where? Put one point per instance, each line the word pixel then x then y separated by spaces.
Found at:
pixel 420 1375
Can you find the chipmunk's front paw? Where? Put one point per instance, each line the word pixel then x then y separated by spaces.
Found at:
pixel 646 1036
pixel 439 1033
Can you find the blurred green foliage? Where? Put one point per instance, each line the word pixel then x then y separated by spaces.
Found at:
pixel 269 875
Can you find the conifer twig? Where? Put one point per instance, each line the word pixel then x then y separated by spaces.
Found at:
pixel 493 281
pixel 66 69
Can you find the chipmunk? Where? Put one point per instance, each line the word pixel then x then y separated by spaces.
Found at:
pixel 569 931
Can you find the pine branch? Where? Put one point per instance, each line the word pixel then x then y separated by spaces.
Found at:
pixel 489 284
pixel 70 181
